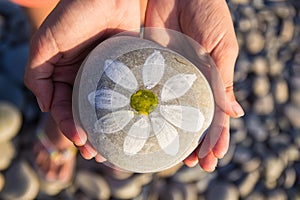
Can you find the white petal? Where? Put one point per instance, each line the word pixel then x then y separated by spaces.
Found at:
pixel 137 136
pixel 177 86
pixel 113 122
pixel 110 99
pixel 91 98
pixel 119 73
pixel 166 134
pixel 133 145
pixel 153 69
pixel 185 117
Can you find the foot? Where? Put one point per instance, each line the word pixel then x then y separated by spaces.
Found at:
pixel 54 154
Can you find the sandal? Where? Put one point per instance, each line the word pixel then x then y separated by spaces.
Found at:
pixel 55 167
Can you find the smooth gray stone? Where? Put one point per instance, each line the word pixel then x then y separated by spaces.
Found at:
pixel 10 121
pixel 222 190
pixel 7 153
pixel 21 182
pixel 93 185
pixel 111 142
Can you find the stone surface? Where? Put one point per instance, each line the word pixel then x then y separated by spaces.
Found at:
pixel 292 112
pixel 249 182
pixel 254 42
pixel 93 185
pixel 126 132
pixel 261 86
pixel 7 153
pixel 222 190
pixel 10 121
pixel 21 182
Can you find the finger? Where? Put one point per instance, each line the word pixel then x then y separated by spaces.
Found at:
pixel 38 80
pixel 99 158
pixel 61 110
pixel 191 160
pixel 209 162
pixel 233 108
pixel 221 147
pixel 87 151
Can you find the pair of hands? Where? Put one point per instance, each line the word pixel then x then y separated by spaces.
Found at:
pixel 74 28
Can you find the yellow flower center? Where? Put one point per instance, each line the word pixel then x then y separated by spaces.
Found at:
pixel 143 101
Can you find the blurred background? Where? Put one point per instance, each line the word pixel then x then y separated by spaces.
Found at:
pixel 263 161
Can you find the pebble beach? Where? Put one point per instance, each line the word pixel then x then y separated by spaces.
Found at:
pixel 263 160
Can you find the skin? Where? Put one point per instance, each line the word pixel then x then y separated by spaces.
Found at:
pixel 64 39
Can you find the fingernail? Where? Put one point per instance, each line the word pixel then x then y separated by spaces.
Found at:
pixel 40 105
pixel 237 109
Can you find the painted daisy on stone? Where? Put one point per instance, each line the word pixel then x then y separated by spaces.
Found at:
pixel 152 112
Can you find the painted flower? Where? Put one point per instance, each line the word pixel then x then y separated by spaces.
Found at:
pixel 150 113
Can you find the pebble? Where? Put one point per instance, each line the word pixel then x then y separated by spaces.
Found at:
pixel 281 91
pixel 255 196
pixel 255 42
pixel 128 188
pixel 256 128
pixel 222 190
pixel 290 177
pixel 10 121
pixel 292 112
pixel 274 167
pixel 295 97
pixel 2 182
pixel 93 185
pixel 7 153
pixel 21 182
pixel 264 105
pixel 187 175
pixel 261 86
pixel 260 66
pixel 251 165
pixel 248 183
pixel 277 194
